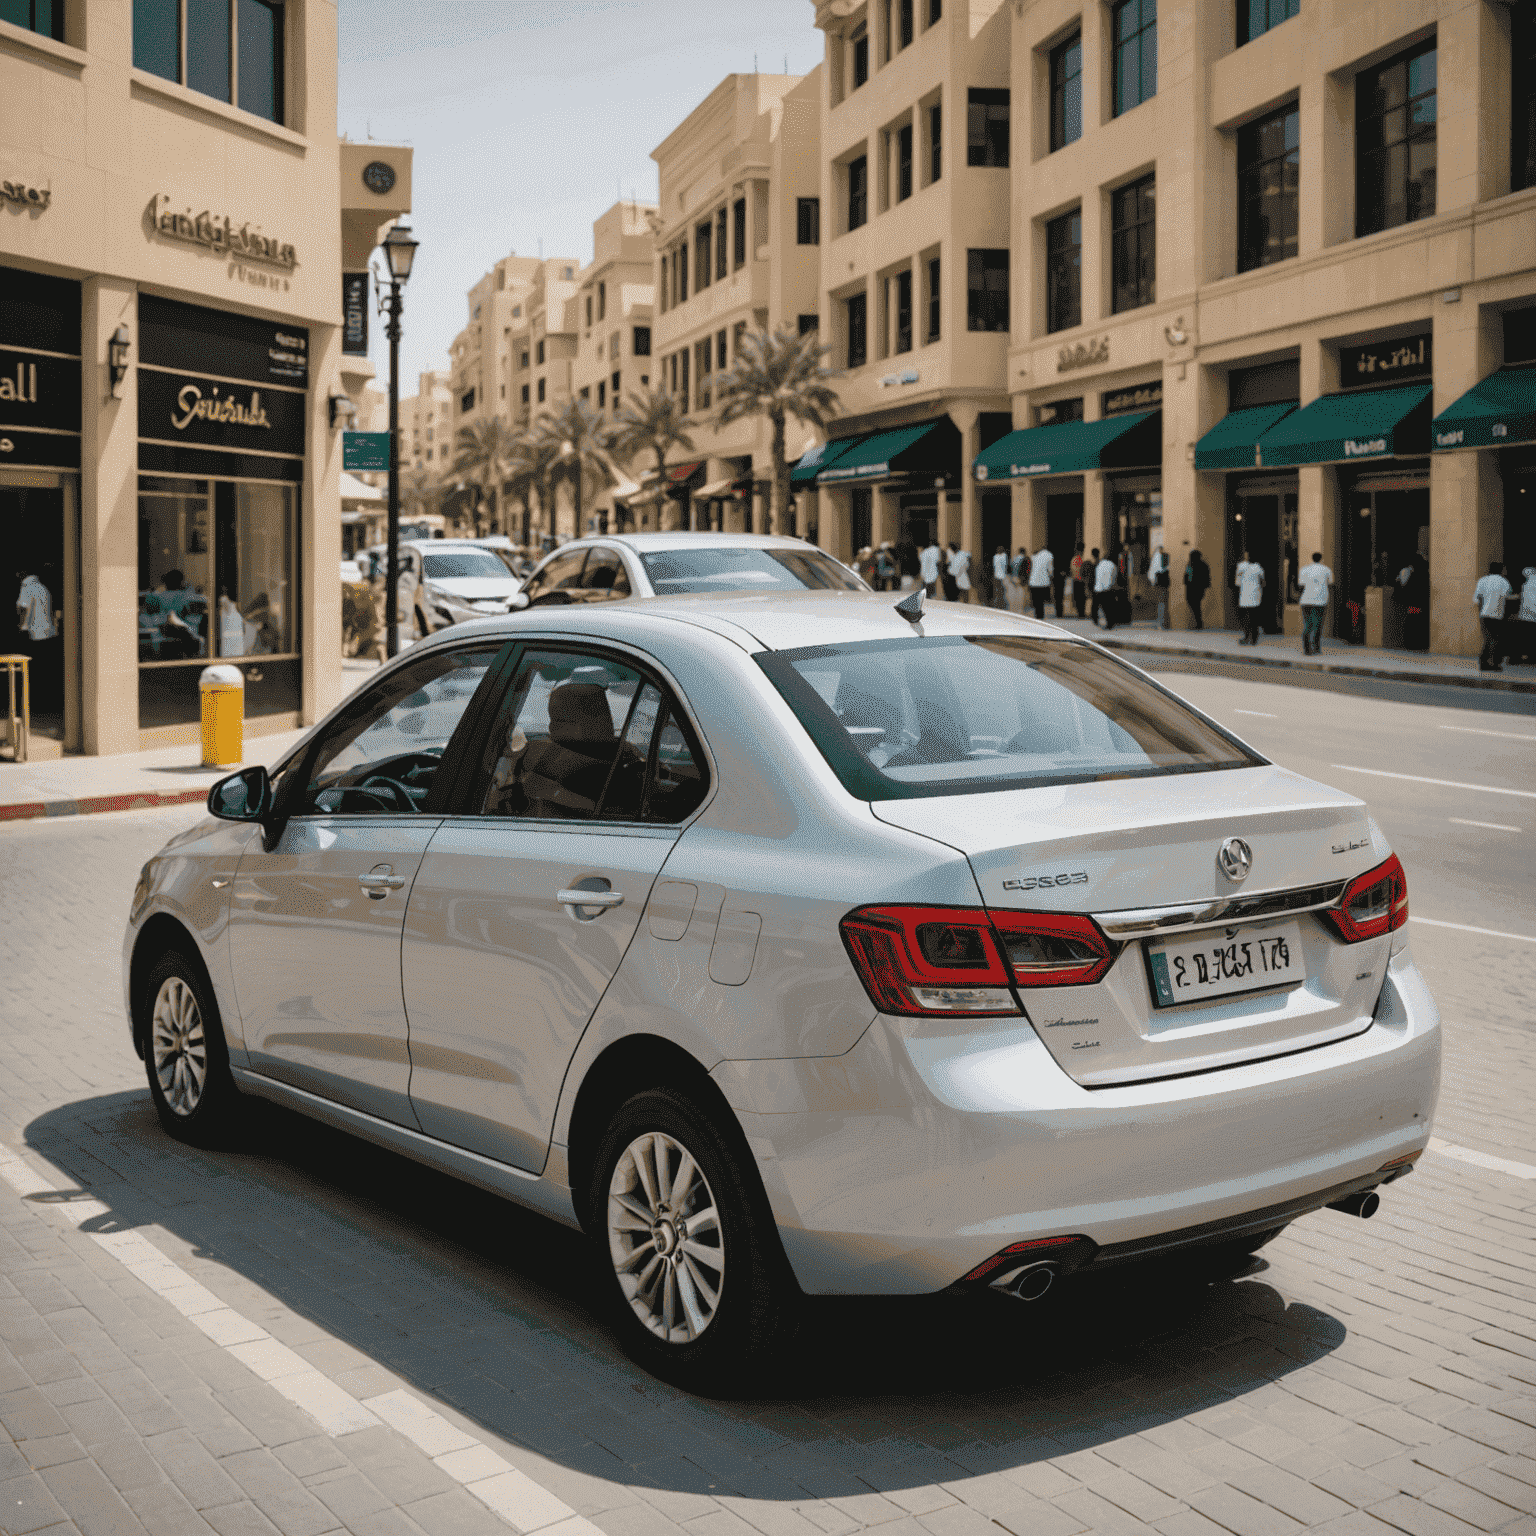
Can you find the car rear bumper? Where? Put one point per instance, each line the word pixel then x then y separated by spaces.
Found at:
pixel 903 1165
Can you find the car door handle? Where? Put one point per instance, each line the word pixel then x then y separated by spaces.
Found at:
pixel 378 883
pixel 590 898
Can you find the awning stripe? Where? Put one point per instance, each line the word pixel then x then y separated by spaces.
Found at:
pixel 1492 414
pixel 810 464
pixel 1352 426
pixel 1233 443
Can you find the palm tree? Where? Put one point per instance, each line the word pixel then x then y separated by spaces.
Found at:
pixel 483 449
pixel 652 421
pixel 576 438
pixel 420 495
pixel 778 374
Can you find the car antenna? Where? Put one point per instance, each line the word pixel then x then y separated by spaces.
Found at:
pixel 911 608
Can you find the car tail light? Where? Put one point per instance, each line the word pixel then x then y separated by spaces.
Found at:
pixel 929 960
pixel 1053 949
pixel 1372 904
pixel 1068 1252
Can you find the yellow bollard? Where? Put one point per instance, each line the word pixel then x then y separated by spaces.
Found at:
pixel 223 701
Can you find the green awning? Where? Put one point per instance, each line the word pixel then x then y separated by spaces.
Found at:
pixel 1358 424
pixel 1499 411
pixel 1233 443
pixel 887 453
pixel 804 471
pixel 1132 441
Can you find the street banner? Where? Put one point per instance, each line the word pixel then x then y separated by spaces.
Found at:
pixel 354 314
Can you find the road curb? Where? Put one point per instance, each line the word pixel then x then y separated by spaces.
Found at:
pixel 29 810
pixel 1339 669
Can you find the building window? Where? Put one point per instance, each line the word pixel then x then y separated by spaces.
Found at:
pixel 809 323
pixel 44 16
pixel 1133 245
pixel 613 389
pixel 722 348
pixel 986 140
pixel 589 311
pixel 935 10
pixel 858 191
pixel 860 57
pixel 903 312
pixel 642 341
pixel 1067 93
pixel 541 391
pixel 1134 30
pixel 1256 17
pixel 720 239
pixel 467 400
pixel 1064 272
pixel 904 22
pixel 857 310
pixel 584 394
pixel 739 232
pixel 934 290
pixel 808 221
pixel 935 141
pixel 602 301
pixel 986 290
pixel 683 358
pixel 1268 176
pixel 1395 141
pixel 1522 76
pixel 539 352
pixel 702 242
pixel 680 272
pixel 602 394
pixel 522 359
pixel 228 49
pixel 904 163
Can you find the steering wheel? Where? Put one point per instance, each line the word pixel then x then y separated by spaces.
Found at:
pixel 403 792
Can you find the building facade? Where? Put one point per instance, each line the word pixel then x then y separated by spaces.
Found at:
pixel 170 332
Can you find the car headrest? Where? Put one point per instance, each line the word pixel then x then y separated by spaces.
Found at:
pixel 579 716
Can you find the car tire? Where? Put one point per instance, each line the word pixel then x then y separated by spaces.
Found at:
pixel 185 1057
pixel 721 1299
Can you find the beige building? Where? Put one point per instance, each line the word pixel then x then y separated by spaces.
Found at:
pixel 739 178
pixel 1243 297
pixel 426 426
pixel 172 247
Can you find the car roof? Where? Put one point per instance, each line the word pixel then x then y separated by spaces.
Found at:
pixel 643 543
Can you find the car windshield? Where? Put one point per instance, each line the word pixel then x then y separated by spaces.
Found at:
pixel 455 564
pixel 898 719
pixel 725 570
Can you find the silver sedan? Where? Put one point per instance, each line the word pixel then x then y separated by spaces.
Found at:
pixel 800 943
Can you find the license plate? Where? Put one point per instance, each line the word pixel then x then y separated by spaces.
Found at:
pixel 1214 965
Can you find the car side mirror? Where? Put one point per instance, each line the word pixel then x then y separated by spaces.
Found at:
pixel 243 796
pixel 518 601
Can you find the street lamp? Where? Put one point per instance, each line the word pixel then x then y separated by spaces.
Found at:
pixel 399 252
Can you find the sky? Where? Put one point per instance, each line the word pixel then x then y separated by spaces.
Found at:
pixel 528 120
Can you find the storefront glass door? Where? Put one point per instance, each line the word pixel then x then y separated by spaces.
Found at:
pixel 1384 546
pixel 1262 520
pixel 1136 508
pixel 41 606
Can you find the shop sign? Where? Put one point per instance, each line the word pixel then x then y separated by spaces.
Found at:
pixel 49 450
pixel 1083 354
pixel 27 197
pixel 210 413
pixel 1059 412
pixel 365 450
pixel 39 391
pixel 196 340
pixel 354 314
pixel 1386 362
pixel 1139 397
pixel 219 233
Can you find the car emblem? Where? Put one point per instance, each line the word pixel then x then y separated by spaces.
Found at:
pixel 1235 859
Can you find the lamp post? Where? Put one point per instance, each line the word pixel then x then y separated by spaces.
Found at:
pixel 399 252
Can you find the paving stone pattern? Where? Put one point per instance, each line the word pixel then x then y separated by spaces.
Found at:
pixel 1362 1377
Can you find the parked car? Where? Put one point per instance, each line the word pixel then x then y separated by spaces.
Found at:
pixel 447 581
pixel 791 942
pixel 602 569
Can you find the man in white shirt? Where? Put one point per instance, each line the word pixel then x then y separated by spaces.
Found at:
pixel 1314 581
pixel 1489 595
pixel 34 610
pixel 1000 577
pixel 928 567
pixel 957 570
pixel 1249 579
pixel 1042 573
pixel 1104 573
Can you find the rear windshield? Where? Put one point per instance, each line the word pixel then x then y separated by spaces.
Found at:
pixel 456 564
pixel 900 719
pixel 730 570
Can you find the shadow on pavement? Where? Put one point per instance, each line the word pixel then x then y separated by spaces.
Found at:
pixel 498 1312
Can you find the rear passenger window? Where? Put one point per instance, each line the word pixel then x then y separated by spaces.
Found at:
pixel 588 738
pixel 605 576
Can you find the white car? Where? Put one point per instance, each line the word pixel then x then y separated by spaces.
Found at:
pixel 796 942
pixel 613 566
pixel 456 580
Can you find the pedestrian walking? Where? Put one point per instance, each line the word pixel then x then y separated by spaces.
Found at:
pixel 1159 573
pixel 1249 581
pixel 1197 582
pixel 1018 578
pixel 1079 586
pixel 928 562
pixel 957 574
pixel 1000 577
pixel 1042 572
pixel 1314 580
pixel 1489 595
pixel 1105 574
pixel 885 568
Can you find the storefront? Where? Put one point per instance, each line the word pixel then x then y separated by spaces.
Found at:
pixel 912 467
pixel 223 406
pixel 39 494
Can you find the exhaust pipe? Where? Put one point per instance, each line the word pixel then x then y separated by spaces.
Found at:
pixel 1031 1282
pixel 1363 1204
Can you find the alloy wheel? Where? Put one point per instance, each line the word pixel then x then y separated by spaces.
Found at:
pixel 179 1047
pixel 664 1238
